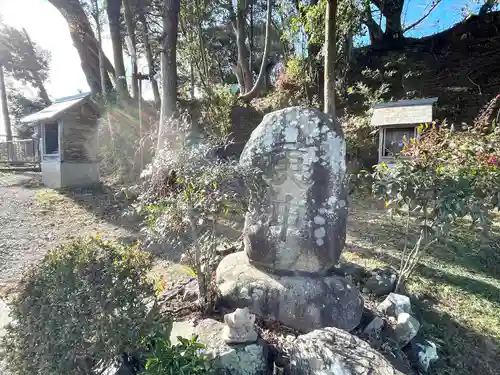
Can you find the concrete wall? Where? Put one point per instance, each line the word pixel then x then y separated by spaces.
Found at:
pixel 51 174
pixel 79 174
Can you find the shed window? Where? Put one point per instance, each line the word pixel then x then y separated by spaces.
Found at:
pixel 394 139
pixel 51 139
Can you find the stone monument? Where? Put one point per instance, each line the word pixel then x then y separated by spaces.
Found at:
pixel 294 233
pixel 240 327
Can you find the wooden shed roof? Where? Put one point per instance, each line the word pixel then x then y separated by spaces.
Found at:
pixel 403 112
pixel 57 109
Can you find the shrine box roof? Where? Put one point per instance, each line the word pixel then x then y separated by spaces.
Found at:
pixel 403 112
pixel 59 108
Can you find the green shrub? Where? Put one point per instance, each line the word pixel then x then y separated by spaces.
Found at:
pixel 85 305
pixel 216 111
pixel 295 86
pixel 187 192
pixel 184 358
pixel 447 176
pixel 126 144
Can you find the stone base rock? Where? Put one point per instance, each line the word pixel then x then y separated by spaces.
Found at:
pixel 331 351
pixel 302 303
pixel 228 359
pixel 395 304
pixel 422 353
pixel 381 282
pixel 406 329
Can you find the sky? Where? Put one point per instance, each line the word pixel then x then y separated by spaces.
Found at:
pixel 48 28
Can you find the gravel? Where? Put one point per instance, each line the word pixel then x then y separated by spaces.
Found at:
pixel 32 223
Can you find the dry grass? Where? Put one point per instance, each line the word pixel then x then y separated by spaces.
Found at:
pixel 456 288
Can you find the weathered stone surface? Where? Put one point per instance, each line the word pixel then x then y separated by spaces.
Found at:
pixel 421 353
pixel 183 329
pixel 240 327
pixel 231 359
pixel 303 303
pixel 355 271
pixel 395 304
pixel 228 359
pixel 332 351
pixel 191 291
pixel 374 328
pixel 381 282
pixel 300 224
pixel 406 329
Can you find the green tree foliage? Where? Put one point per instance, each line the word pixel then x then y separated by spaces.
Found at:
pixel 184 358
pixel 25 61
pixel 83 307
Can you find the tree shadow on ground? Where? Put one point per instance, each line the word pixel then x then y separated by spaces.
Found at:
pixel 29 180
pixel 101 201
pixel 467 284
pixel 463 247
pixel 461 349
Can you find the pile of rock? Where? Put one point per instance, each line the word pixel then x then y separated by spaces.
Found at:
pixel 234 345
pixel 294 235
pixel 377 282
pixel 397 325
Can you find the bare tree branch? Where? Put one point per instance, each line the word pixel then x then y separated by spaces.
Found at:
pixel 429 11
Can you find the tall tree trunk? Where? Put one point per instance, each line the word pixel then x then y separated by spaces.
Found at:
pixel 130 24
pixel 85 42
pixel 113 11
pixel 5 108
pixel 263 67
pixel 330 56
pixel 201 42
pixel 38 81
pixel 168 65
pixel 239 26
pixel 102 69
pixel 149 58
pixel 374 29
pixel 392 10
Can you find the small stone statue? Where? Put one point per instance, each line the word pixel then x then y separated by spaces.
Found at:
pixel 239 327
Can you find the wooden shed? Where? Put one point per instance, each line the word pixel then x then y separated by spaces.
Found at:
pixel 397 122
pixel 69 141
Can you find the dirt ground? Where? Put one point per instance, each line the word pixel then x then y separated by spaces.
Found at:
pixel 30 225
pixel 456 290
